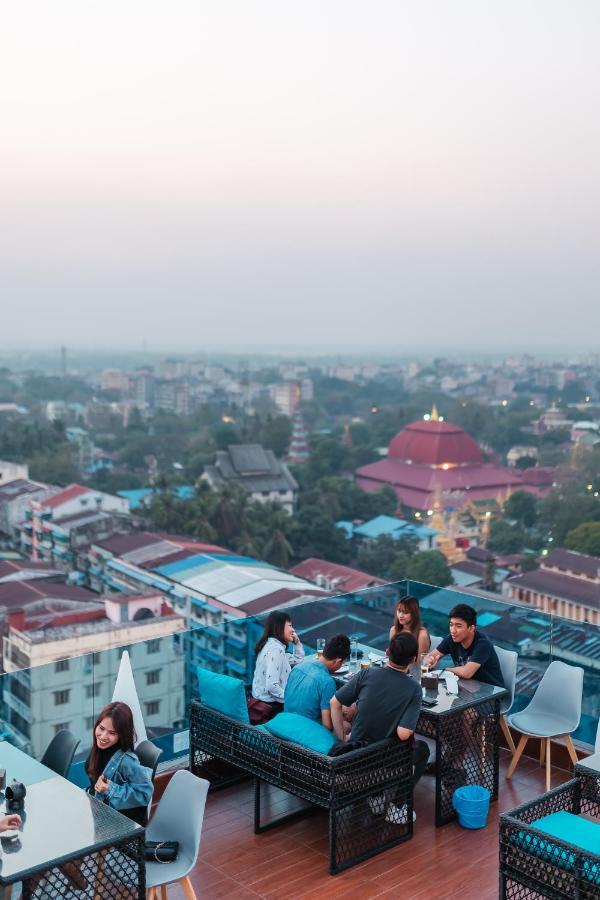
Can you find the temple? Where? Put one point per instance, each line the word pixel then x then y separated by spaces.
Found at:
pixel 434 462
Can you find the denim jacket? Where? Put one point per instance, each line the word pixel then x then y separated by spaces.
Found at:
pixel 130 782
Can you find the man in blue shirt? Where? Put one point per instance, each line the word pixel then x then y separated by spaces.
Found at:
pixel 310 686
pixel 473 654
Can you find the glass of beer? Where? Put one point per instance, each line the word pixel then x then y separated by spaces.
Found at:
pixel 320 647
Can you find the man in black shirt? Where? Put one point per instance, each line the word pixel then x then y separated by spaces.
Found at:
pixel 473 654
pixel 388 701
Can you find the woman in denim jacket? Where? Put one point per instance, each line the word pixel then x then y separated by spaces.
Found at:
pixel 116 775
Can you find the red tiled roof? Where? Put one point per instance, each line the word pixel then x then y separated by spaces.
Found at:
pixel 579 563
pixel 276 599
pixel 69 493
pixel 10 566
pixel 350 579
pixel 12 489
pixel 562 587
pixel 434 443
pixel 18 594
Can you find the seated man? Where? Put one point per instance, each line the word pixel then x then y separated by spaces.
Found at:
pixel 472 651
pixel 388 701
pixel 310 686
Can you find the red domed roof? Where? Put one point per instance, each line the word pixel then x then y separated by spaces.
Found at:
pixel 434 443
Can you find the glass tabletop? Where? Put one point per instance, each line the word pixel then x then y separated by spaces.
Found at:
pixel 21 767
pixel 60 821
pixel 470 693
pixel 592 763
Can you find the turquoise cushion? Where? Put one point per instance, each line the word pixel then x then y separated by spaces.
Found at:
pixel 223 693
pixel 301 730
pixel 573 830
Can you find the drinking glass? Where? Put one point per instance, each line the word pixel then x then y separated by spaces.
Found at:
pixel 353 654
pixel 425 663
pixel 320 646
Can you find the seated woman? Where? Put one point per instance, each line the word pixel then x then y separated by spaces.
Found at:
pixel 407 617
pixel 116 775
pixel 273 666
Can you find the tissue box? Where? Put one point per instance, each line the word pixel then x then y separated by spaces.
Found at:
pixel 430 681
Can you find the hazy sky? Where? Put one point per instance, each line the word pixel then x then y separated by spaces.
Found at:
pixel 326 174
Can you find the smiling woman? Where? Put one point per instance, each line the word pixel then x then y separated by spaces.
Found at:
pixel 116 776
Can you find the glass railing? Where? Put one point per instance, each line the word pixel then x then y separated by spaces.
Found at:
pixel 37 702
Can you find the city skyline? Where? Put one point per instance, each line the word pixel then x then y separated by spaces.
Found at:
pixel 301 180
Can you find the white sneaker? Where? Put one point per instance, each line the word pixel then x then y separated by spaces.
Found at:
pixel 398 815
pixel 377 804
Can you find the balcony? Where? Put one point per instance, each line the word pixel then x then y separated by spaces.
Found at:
pixel 291 859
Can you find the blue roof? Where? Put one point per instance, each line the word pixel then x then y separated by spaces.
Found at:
pixel 392 527
pixel 346 526
pixel 137 497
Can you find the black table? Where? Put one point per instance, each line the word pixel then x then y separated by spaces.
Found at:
pixel 103 850
pixel 465 728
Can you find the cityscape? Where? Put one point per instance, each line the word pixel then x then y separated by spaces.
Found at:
pixel 300 451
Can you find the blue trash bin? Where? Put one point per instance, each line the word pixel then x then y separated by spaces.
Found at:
pixel 472 804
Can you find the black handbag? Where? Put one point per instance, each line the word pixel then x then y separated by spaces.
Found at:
pixel 162 851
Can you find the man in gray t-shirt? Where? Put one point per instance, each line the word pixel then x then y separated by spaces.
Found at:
pixel 387 701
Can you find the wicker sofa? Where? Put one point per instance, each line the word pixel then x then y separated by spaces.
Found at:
pixel 538 859
pixel 367 792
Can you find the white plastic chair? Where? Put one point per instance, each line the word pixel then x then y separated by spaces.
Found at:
pixel 597 745
pixel 554 711
pixel 508 660
pixel 178 817
pixel 435 641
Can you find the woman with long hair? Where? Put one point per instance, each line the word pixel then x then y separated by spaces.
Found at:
pixel 116 775
pixel 407 617
pixel 273 666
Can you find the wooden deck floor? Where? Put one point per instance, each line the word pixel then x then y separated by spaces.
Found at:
pixel 290 861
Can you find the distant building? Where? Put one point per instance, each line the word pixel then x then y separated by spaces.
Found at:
pixel 287 397
pixel 299 451
pixel 173 395
pixel 553 419
pixel 389 526
pixel 209 585
pixel 518 452
pixel 15 497
pixel 63 666
pixel 10 471
pixel 255 469
pixel 432 459
pixel 566 584
pixel 334 577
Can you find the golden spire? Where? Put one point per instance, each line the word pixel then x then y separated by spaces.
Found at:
pixel 434 414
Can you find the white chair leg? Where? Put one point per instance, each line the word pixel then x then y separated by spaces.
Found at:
pixel 187 888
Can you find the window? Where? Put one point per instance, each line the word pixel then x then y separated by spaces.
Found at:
pixel 61 697
pixel 62 665
pixel 153 677
pixel 89 722
pixel 93 690
pixel 64 726
pixel 153 646
pixel 152 707
pixel 96 658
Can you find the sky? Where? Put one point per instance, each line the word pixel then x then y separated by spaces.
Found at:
pixel 326 176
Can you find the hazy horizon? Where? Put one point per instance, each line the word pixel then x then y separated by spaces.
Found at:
pixel 327 178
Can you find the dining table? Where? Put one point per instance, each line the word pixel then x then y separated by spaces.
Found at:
pixel 68 840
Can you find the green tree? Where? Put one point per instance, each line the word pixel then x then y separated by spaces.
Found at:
pixel 505 538
pixel 585 538
pixel 430 567
pixel 489 575
pixel 275 434
pixel 311 533
pixel 521 506
pixel 278 550
pixel 387 557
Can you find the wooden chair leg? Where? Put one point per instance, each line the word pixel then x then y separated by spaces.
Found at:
pixel 517 755
pixel 163 892
pixel 571 749
pixel 188 890
pixel 151 894
pixel 507 735
pixel 542 751
pixel 548 763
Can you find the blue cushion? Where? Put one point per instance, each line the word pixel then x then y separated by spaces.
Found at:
pixel 573 830
pixel 301 730
pixel 223 694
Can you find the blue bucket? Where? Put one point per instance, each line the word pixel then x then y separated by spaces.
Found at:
pixel 472 804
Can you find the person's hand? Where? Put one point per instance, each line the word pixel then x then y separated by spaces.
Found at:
pixel 102 784
pixel 12 821
pixel 295 638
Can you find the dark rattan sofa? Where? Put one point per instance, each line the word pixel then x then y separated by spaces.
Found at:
pixel 368 792
pixel 534 864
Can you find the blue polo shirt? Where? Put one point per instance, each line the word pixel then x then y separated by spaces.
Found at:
pixel 309 689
